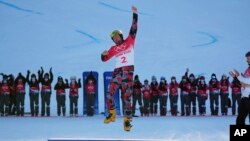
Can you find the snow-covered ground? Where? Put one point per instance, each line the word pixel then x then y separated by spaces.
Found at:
pixel 206 36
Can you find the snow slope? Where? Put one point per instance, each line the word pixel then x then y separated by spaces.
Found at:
pixel 206 36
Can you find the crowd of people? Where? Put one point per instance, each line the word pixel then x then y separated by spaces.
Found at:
pixel 12 93
pixel 190 90
pixel 149 96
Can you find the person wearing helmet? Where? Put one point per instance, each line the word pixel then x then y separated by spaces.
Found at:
pixel 236 94
pixel 155 96
pixel 146 93
pixel 185 90
pixel 137 95
pixel 60 88
pixel 73 95
pixel 224 93
pixel 123 51
pixel 214 87
pixel 244 107
pixel 20 94
pixel 46 81
pixel 173 95
pixel 33 93
pixel 202 95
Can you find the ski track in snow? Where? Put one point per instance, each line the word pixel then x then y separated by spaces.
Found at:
pixel 120 9
pixel 94 39
pixel 213 40
pixel 19 8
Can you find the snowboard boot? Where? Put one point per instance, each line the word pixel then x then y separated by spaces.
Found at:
pixel 127 125
pixel 22 111
pixel 76 111
pixel 48 110
pixel 164 111
pixel 141 111
pixel 64 111
pixel 36 110
pixel 111 117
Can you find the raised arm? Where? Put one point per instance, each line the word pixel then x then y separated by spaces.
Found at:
pixel 27 77
pixel 133 29
pixel 51 75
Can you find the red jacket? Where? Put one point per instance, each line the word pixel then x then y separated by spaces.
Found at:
pixel 163 89
pixel 73 89
pixel 90 88
pixel 173 88
pixel 236 88
pixel 137 87
pixel 224 86
pixel 154 88
pixel 146 92
pixel 20 87
pixel 185 87
pixel 202 90
pixel 5 88
pixel 214 87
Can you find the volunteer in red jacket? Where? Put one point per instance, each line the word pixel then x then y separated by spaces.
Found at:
pixel 202 95
pixel 4 96
pixel 224 93
pixel 90 89
pixel 146 93
pixel 163 96
pixel 20 82
pixel 73 95
pixel 60 88
pixel 214 91
pixel 173 95
pixel 46 81
pixel 33 93
pixel 137 95
pixel 185 90
pixel 236 94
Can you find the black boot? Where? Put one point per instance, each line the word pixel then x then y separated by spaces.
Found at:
pixel 48 111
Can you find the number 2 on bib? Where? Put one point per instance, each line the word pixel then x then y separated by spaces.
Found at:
pixel 124 59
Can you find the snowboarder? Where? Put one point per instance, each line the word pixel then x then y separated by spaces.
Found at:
pixel 163 96
pixel 244 107
pixel 224 93
pixel 236 94
pixel 137 95
pixel 146 93
pixel 173 95
pixel 20 82
pixel 33 93
pixel 73 95
pixel 90 89
pixel 214 87
pixel 46 81
pixel 60 88
pixel 123 51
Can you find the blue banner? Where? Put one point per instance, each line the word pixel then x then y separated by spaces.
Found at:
pixel 107 77
pixel 84 76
